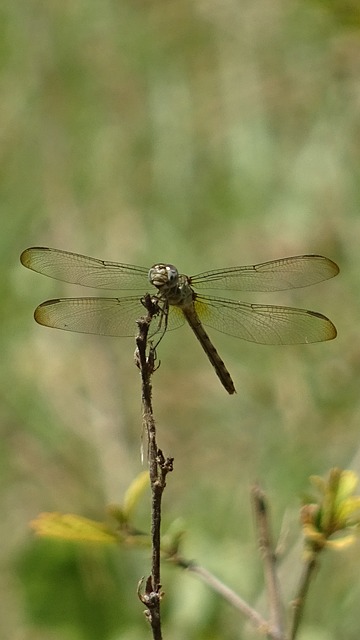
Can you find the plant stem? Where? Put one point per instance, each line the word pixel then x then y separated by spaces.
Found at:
pixel 276 622
pixel 299 602
pixel 159 467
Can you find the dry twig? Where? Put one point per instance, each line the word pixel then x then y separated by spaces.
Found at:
pixel 159 467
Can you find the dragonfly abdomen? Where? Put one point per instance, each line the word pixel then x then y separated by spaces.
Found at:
pixel 219 366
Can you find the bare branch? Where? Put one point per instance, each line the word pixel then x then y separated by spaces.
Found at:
pixel 299 601
pixel 159 467
pixel 276 623
pixel 225 592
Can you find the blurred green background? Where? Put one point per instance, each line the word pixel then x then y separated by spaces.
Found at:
pixel 207 134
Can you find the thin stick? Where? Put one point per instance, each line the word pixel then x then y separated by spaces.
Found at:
pixel 276 622
pixel 159 467
pixel 299 601
pixel 224 591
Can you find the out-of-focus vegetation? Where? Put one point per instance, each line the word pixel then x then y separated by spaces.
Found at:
pixel 206 134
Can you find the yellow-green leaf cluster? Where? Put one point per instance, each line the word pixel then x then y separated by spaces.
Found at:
pixel 332 517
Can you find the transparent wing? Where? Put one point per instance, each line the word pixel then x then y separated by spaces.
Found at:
pixel 277 275
pixel 89 272
pixel 265 324
pixel 101 316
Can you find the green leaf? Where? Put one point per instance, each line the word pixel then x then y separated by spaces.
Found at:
pixel 134 493
pixel 72 527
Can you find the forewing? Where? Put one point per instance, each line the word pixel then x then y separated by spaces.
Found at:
pixel 277 275
pixel 264 324
pixel 83 270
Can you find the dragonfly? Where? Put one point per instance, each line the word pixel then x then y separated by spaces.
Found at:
pixel 178 301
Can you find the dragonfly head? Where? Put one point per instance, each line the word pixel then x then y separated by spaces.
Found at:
pixel 164 276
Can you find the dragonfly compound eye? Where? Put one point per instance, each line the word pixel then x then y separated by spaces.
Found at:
pixel 161 275
pixel 172 273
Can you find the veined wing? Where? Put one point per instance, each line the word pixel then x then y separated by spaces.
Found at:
pixel 264 324
pixel 276 275
pixel 88 272
pixel 100 316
